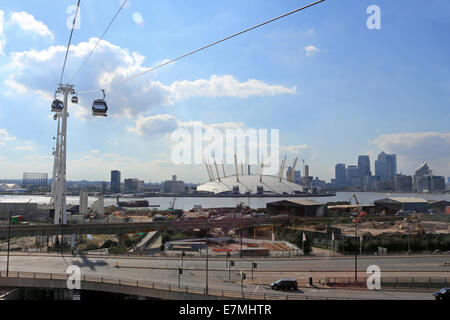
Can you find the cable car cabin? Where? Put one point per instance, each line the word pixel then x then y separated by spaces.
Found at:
pixel 57 105
pixel 75 99
pixel 99 108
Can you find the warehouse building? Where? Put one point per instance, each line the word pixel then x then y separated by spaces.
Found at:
pixel 301 208
pixel 29 211
pixel 392 205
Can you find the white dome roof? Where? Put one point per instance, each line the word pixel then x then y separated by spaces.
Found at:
pixel 250 183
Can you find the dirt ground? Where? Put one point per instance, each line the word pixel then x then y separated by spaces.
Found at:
pixel 398 227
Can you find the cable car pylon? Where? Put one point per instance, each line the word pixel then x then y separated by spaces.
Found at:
pixel 59 174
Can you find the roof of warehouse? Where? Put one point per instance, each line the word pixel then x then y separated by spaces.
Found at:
pixel 350 206
pixel 306 202
pixel 403 200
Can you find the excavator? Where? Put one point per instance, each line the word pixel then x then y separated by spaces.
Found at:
pixel 356 199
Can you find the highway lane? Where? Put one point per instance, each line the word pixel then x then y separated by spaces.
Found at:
pixel 166 271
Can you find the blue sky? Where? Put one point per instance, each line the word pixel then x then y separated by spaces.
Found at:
pixel 334 88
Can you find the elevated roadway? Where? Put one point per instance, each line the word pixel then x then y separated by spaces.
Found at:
pixel 135 227
pixel 131 271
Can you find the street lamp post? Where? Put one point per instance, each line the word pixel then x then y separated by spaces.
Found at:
pixel 207 230
pixel 9 240
pixel 240 254
pixel 182 255
pixel 356 254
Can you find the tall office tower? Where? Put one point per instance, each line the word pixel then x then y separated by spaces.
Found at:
pixel 386 166
pixel 340 175
pixel 115 181
pixel 353 178
pixel 364 166
pixel 391 160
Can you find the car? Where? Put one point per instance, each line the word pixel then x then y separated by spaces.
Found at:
pixel 284 284
pixel 443 294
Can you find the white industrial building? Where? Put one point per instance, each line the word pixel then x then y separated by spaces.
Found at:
pixel 84 197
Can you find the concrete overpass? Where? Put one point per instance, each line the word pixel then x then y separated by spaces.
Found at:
pixel 135 227
pixel 158 277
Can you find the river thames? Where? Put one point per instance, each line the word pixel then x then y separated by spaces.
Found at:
pixel 187 203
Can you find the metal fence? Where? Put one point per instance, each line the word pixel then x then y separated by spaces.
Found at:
pixel 229 294
pixel 424 283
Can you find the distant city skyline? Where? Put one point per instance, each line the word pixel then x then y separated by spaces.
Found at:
pixel 334 88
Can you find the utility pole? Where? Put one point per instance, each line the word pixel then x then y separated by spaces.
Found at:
pixel 356 254
pixel 206 287
pixel 243 277
pixel 9 240
pixel 182 255
pixel 180 272
pixel 230 264
pixel 409 241
pixel 240 253
pixel 254 266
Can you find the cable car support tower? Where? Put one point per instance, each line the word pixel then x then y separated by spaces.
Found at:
pixel 59 174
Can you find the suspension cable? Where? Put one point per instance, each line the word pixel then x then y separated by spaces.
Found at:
pixel 100 39
pixel 203 48
pixel 68 45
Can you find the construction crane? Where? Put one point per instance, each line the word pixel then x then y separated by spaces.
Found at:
pixel 291 175
pixel 356 199
pixel 172 204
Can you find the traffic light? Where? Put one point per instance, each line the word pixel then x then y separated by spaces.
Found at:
pixel 180 271
pixel 231 263
pixel 244 276
pixel 255 265
pixel 228 254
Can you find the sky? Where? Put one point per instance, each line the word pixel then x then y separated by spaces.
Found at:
pixel 334 88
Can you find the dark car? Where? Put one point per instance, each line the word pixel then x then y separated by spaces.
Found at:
pixel 284 284
pixel 443 294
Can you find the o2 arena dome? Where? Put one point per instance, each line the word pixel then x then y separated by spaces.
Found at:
pixel 251 184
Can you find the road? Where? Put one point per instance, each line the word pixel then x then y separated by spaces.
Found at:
pixel 165 270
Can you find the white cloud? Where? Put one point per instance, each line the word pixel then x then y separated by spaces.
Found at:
pixel 2 21
pixel 226 86
pixel 311 50
pixel 4 135
pixel 29 24
pixel 111 155
pixel 2 45
pixel 166 123
pixel 219 126
pixel 2 41
pixel 414 148
pixel 295 149
pixel 159 124
pixel 39 157
pixel 137 18
pixel 109 64
pixel 24 148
